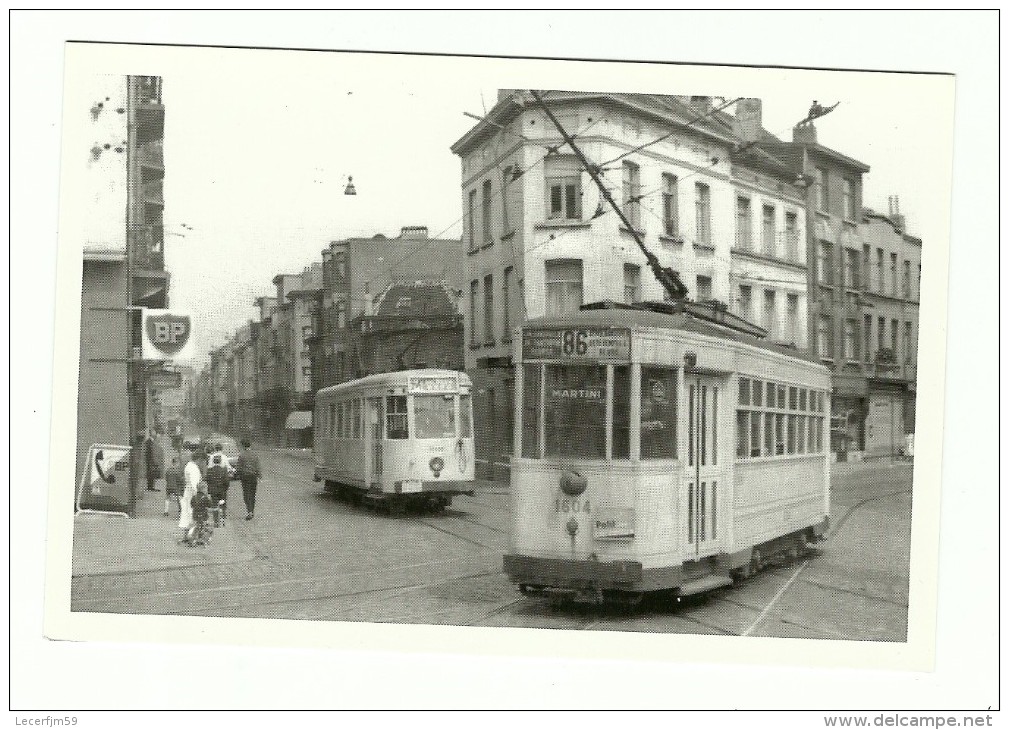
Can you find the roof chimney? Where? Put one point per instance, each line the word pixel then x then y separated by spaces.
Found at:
pixel 413 232
pixel 749 119
pixel 804 133
pixel 895 214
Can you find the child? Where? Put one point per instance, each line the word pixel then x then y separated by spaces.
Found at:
pixel 217 481
pixel 173 486
pixel 201 511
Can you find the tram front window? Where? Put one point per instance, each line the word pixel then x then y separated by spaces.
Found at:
pixel 434 416
pixel 575 411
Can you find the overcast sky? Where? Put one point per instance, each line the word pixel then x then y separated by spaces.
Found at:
pixel 259 144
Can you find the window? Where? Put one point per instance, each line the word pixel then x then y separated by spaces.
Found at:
pixel 340 421
pixel 893 274
pixel 881 334
pixel 823 337
pixel 575 410
pixel 486 214
pixel 907 280
pixel 563 286
pixel 702 212
pixel 622 412
pixel 792 236
pixel 473 287
pixel 670 206
pixel 826 268
pixel 746 303
pixel 767 230
pixel 743 223
pixel 306 371
pixel 850 340
pixel 821 189
pixel 907 349
pixel 632 283
pixel 465 417
pixel 880 271
pixel 917 293
pixel 397 423
pixel 356 418
pixel 488 309
pixel 434 416
pixel 848 199
pixel 531 381
pixel 658 413
pixel 703 288
pixel 341 315
pixel 770 314
pixel 894 329
pixel 340 259
pixel 563 187
pixel 631 194
pixel 866 336
pixel 865 279
pixel 851 268
pixel 506 304
pixel 792 318
pixel 471 218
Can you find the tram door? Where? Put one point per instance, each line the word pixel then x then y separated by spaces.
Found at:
pixel 705 472
pixel 374 424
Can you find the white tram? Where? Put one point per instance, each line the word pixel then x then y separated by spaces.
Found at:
pixel 396 438
pixel 656 451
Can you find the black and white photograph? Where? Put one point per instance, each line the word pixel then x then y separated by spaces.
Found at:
pixel 362 349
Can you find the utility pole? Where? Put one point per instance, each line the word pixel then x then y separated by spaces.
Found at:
pixel 669 279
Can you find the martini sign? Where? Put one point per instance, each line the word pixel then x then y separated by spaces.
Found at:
pixel 167 335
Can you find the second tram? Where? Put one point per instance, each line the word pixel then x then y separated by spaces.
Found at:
pixel 396 439
pixel 657 451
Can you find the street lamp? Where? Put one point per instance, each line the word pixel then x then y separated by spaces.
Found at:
pixel 350 189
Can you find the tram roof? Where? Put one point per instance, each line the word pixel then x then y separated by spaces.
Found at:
pixel 642 318
pixel 396 377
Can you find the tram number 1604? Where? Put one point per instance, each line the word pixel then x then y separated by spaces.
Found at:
pixel 572 505
pixel 574 342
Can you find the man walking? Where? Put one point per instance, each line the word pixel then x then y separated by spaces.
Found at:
pixel 249 472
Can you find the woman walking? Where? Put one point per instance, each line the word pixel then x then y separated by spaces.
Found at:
pixel 193 475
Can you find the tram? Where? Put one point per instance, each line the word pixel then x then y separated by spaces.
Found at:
pixel 396 439
pixel 659 449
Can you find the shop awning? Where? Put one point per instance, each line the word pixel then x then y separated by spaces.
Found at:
pixel 298 420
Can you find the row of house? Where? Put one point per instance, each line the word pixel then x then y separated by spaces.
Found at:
pixel 774 230
pixel 368 305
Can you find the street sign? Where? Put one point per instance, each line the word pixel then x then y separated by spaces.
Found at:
pixel 165 380
pixel 167 335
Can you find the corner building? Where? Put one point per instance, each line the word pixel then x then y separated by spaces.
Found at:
pixel 540 239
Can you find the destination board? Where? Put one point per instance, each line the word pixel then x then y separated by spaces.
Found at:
pixel 577 343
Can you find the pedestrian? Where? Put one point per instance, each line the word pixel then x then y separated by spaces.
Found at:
pixel 193 475
pixel 200 507
pixel 217 481
pixel 174 483
pixel 249 472
pixel 154 461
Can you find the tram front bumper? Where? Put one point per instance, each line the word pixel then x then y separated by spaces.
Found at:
pixel 572 574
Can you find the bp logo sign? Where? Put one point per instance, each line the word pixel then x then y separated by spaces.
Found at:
pixel 167 335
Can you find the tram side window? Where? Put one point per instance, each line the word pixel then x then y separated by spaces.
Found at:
pixel 339 421
pixel 575 410
pixel 622 412
pixel 742 434
pixel 531 381
pixel 658 413
pixel 465 417
pixel 331 427
pixel 356 418
pixel 396 417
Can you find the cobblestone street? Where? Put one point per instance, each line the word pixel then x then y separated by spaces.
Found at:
pixel 309 556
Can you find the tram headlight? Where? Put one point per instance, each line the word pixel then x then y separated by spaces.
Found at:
pixel 436 464
pixel 572 483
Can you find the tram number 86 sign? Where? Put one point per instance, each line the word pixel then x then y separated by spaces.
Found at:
pixel 590 343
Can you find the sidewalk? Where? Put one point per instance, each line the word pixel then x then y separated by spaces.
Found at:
pixel 149 541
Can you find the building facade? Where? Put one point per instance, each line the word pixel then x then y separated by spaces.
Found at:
pixel 892 291
pixel 120 219
pixel 541 240
pixel 357 271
